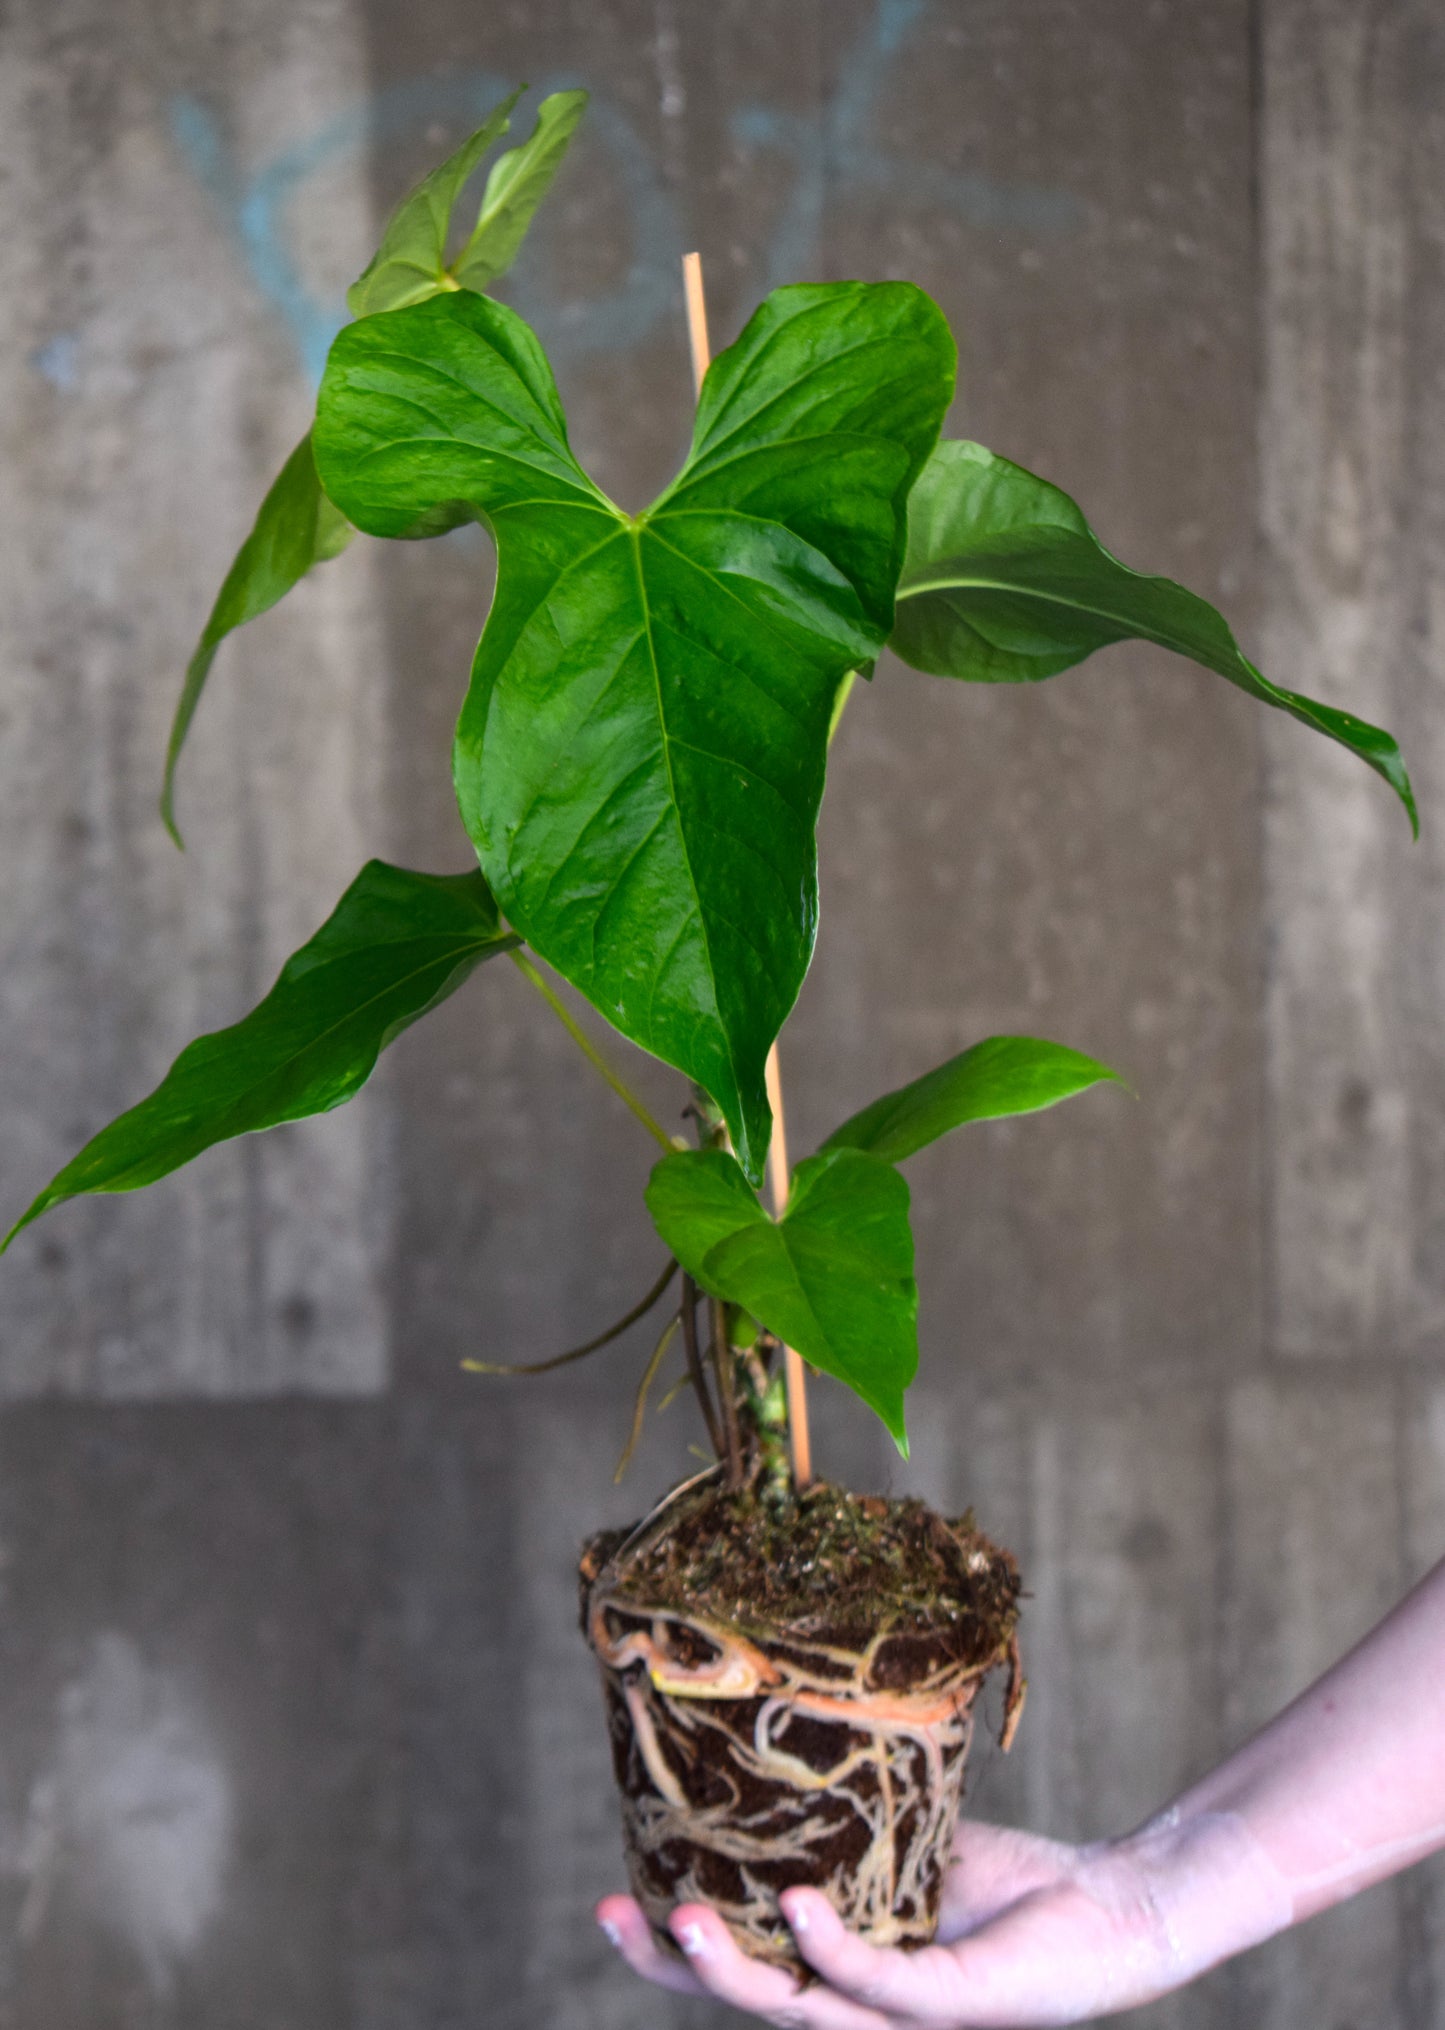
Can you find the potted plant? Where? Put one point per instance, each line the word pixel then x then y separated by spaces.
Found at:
pixel 639 764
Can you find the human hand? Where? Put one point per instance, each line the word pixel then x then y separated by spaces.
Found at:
pixel 1031 1932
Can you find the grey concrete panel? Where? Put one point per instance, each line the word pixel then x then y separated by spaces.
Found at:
pixel 361 1615
pixel 184 1789
pixel 148 397
pixel 1353 135
pixel 1314 1560
pixel 1077 859
pixel 1422 1891
pixel 1110 1500
pixel 261 1712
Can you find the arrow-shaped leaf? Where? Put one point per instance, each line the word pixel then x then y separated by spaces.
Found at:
pixel 396 944
pixel 833 1277
pixel 1006 583
pixel 1002 1075
pixel 640 757
pixel 516 184
pixel 410 263
pixel 296 527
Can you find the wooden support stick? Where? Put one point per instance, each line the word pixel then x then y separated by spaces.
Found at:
pixel 793 1370
pixel 696 318
pixel 797 1381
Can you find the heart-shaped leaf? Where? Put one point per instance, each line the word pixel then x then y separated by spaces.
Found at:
pixel 640 757
pixel 1002 1075
pixel 296 527
pixel 396 944
pixel 1006 583
pixel 833 1277
pixel 516 184
pixel 411 262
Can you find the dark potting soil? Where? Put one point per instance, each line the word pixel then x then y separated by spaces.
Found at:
pixel 831 1566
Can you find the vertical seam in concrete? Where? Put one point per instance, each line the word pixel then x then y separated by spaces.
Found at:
pixel 1268 1315
pixel 1414 1985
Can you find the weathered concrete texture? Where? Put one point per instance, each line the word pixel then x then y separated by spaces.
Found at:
pixel 1353 137
pixel 294 1726
pixel 1034 858
pixel 147 401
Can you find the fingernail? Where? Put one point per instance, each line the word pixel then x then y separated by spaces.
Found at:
pixel 693 1940
pixel 610 1932
pixel 797 1915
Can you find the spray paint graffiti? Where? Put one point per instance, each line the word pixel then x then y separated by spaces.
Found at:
pixel 834 156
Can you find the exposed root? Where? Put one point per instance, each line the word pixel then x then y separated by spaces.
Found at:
pixel 751 1764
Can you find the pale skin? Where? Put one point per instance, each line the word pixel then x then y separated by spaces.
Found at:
pixel 1345 1787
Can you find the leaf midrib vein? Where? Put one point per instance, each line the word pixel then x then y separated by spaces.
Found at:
pixel 551 438
pixel 756 619
pixel 921 587
pixel 403 980
pixel 636 534
pixel 834 359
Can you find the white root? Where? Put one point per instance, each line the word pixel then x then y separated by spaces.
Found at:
pixel 721 1805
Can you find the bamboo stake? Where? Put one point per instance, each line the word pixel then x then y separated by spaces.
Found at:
pixel 793 1370
pixel 797 1382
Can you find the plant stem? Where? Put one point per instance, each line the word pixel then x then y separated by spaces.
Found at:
pixel 723 1364
pixel 844 693
pixel 799 1442
pixel 590 1051
pixel 694 1363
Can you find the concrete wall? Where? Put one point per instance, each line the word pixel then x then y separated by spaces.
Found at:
pixel 295 1730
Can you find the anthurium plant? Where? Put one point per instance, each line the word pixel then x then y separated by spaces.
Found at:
pixel 641 755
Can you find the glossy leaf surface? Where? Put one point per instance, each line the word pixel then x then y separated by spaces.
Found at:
pixel 833 1277
pixel 1000 1076
pixel 1006 583
pixel 296 527
pixel 516 185
pixel 396 944
pixel 411 262
pixel 640 756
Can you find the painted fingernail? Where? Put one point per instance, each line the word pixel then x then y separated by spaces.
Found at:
pixel 693 1940
pixel 610 1932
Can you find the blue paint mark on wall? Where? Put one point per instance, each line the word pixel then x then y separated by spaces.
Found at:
pixel 824 158
pixel 58 360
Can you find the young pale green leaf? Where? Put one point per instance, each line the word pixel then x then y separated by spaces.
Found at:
pixel 1006 583
pixel 1002 1075
pixel 297 527
pixel 833 1277
pixel 410 264
pixel 516 185
pixel 396 944
pixel 640 756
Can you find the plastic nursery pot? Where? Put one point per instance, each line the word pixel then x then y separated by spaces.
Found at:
pixel 790 1700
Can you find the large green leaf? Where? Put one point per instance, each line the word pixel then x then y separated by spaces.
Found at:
pixel 833 1277
pixel 297 527
pixel 1006 583
pixel 1002 1075
pixel 641 753
pixel 396 944
pixel 516 184
pixel 411 262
